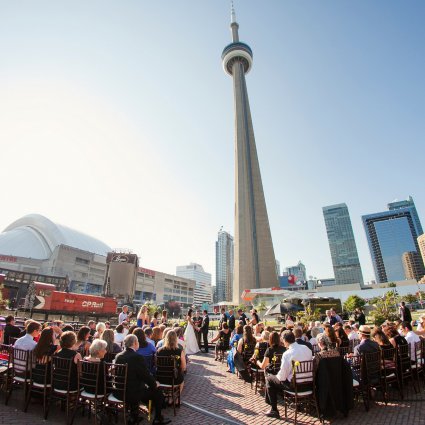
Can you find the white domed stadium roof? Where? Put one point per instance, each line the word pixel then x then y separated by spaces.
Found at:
pixel 35 236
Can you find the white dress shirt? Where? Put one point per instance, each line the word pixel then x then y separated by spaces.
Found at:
pixel 295 352
pixel 26 343
pixel 411 339
pixel 353 335
pixel 122 317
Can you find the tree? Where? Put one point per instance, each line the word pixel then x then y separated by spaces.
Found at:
pixel 385 308
pixel 309 315
pixel 152 308
pixel 353 302
pixel 261 307
pixel 409 298
pixel 173 308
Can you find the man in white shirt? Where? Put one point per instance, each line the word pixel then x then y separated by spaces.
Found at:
pixel 123 316
pixel 276 383
pixel 351 332
pixel 27 342
pixel 411 338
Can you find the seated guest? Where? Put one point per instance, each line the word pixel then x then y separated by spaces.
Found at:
pixel 325 346
pixel 119 334
pixel 331 334
pixel 145 348
pixel 156 334
pixel 314 332
pixel 27 341
pixel 148 333
pixel 258 330
pixel 161 342
pixel 350 332
pixel 10 330
pixel 67 328
pixel 24 331
pixel 111 346
pixel 141 385
pixel 180 337
pixel 92 325
pixel 100 328
pixel 172 348
pixel 276 383
pixel 233 345
pixel 83 344
pixel 108 325
pixel 262 346
pixel 274 348
pixel 366 344
pixel 395 338
pixel 298 332
pixel 248 339
pixel 379 336
pixel 97 352
pixel 343 338
pixel 411 338
pixel 67 341
pixel 43 351
pixel 223 339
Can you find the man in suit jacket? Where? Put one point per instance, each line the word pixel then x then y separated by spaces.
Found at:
pixel 366 344
pixel 204 329
pixel 141 385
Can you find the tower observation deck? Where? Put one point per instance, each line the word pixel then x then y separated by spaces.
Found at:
pixel 254 260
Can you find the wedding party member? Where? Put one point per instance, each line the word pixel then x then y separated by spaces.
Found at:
pixel 232 321
pixel 242 317
pixel 223 340
pixel 143 316
pixel 192 346
pixel 164 318
pixel 10 330
pixel 223 318
pixel 141 385
pixel 204 329
pixel 155 320
pixel 197 321
pixel 254 317
pixel 276 383
pixel 124 315
pixel 172 348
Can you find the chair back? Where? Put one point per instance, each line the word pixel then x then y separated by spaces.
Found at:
pixel 260 351
pixel 65 375
pixel 316 349
pixel 116 380
pixel 150 362
pixel 302 373
pixel 166 369
pixel 89 378
pixel 419 360
pixel 403 357
pixel 248 351
pixel 40 373
pixel 21 363
pixel 357 364
pixel 353 343
pixel 373 367
pixel 343 351
pixel 109 357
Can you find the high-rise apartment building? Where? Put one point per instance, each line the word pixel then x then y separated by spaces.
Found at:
pixel 342 244
pixel 224 267
pixel 203 291
pixel 390 234
pixel 421 244
pixel 413 265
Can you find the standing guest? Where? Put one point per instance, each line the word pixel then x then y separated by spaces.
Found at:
pixel 156 335
pixel 97 352
pixel 141 385
pixel 100 328
pixel 242 317
pixel 111 346
pixel 359 317
pixel 27 341
pixel 172 348
pixel 119 334
pixel 366 344
pixel 337 317
pixel 67 341
pixel 298 332
pixel 404 311
pixel 223 338
pixel 83 344
pixel 254 317
pixel 92 325
pixel 223 318
pixel 411 338
pixel 155 320
pixel 143 316
pixel 10 330
pixel 232 321
pixel 276 383
pixel 164 318
pixel 124 315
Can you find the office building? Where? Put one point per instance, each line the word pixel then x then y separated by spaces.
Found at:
pixel 255 265
pixel 203 290
pixel 390 234
pixel 408 203
pixel 342 244
pixel 224 267
pixel 421 245
pixel 413 265
pixel 299 271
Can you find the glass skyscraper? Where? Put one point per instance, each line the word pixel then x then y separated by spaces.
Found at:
pixel 390 234
pixel 342 244
pixel 223 267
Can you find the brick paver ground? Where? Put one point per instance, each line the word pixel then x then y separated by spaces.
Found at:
pixel 210 391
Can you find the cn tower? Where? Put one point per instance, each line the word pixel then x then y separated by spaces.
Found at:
pixel 254 260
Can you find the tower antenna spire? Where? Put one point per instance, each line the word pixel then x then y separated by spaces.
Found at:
pixel 232 14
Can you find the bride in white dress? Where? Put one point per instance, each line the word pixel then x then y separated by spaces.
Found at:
pixel 192 346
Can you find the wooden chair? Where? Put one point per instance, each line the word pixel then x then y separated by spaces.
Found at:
pixel 92 381
pixel 5 369
pixel 109 357
pixel 166 372
pixel 343 351
pixel 257 374
pixel 303 375
pixel 40 384
pixel 20 371
pixel 116 387
pixel 404 367
pixel 357 364
pixel 418 365
pixel 65 381
pixel 372 375
pixel 150 363
pixel 389 367
pixel 247 352
pixel 353 343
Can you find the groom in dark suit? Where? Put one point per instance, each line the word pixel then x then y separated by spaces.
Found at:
pixel 204 329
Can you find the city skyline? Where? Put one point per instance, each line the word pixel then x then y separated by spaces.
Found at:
pixel 126 132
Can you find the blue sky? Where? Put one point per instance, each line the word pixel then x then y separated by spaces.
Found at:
pixel 116 118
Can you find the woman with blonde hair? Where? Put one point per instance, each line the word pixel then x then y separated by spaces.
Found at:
pixel 143 316
pixel 171 348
